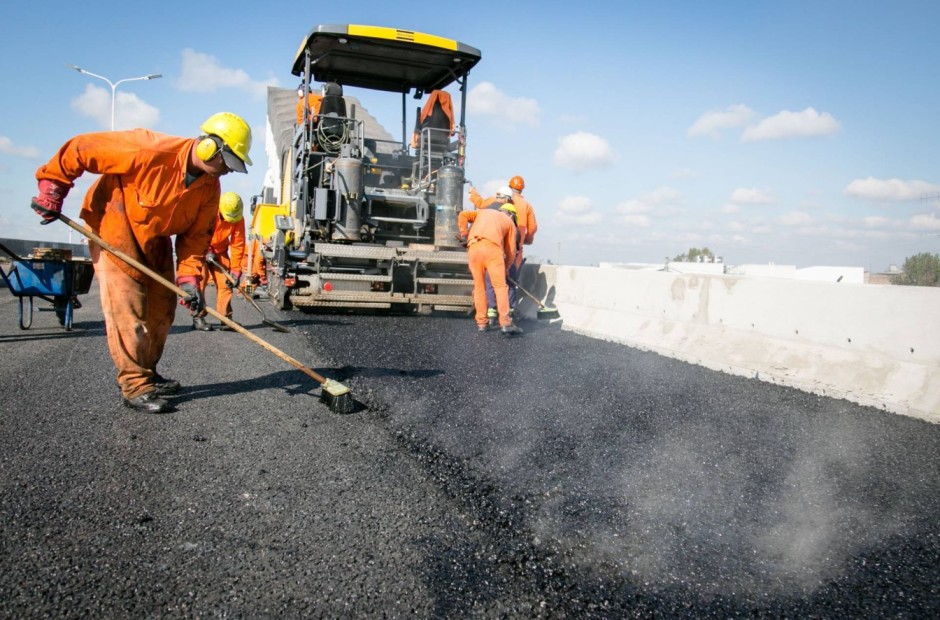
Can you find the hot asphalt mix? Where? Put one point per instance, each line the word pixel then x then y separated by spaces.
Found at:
pixel 549 475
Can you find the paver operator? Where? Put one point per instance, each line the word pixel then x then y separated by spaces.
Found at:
pixel 152 186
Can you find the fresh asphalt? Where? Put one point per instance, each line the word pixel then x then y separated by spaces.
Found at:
pixel 549 475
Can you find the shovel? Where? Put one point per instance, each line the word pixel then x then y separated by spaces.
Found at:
pixel 247 298
pixel 337 396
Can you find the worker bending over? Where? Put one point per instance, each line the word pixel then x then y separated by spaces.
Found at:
pixel 229 234
pixel 527 225
pixel 152 187
pixel 491 246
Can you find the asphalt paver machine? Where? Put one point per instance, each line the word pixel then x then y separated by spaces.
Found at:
pixel 354 217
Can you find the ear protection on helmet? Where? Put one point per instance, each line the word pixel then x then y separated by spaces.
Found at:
pixel 208 148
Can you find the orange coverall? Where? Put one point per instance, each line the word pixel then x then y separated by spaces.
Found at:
pixel 227 235
pixel 313 105
pixel 491 245
pixel 525 217
pixel 139 202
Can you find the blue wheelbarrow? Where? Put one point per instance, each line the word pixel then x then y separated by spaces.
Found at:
pixel 57 281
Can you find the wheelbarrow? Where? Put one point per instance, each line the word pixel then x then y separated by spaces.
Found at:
pixel 58 281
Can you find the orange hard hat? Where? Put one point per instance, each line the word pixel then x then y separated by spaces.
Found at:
pixel 517 183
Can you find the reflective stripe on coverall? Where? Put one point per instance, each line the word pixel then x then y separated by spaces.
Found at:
pixel 490 247
pixel 227 236
pixel 138 203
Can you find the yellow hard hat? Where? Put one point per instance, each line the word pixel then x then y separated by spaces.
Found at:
pixel 509 207
pixel 234 132
pixel 230 206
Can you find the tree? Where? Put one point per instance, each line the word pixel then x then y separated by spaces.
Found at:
pixel 692 256
pixel 920 270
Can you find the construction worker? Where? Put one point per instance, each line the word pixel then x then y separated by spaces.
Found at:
pixel 256 266
pixel 491 245
pixel 313 104
pixel 152 187
pixel 525 221
pixel 229 234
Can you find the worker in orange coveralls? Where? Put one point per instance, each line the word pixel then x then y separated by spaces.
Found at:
pixel 152 186
pixel 313 104
pixel 229 235
pixel 491 246
pixel 258 277
pixel 525 222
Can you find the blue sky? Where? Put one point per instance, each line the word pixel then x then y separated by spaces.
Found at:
pixel 799 133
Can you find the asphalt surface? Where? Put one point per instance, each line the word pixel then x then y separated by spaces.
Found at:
pixel 549 475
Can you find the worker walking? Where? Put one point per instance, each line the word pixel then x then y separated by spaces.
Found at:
pixel 525 222
pixel 152 187
pixel 491 245
pixel 226 252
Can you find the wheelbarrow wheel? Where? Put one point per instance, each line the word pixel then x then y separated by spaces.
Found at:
pixel 26 313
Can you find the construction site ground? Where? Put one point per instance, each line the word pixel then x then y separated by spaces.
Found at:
pixel 550 475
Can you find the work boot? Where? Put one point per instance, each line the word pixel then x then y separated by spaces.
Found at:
pixel 164 386
pixel 148 403
pixel 225 328
pixel 484 328
pixel 511 330
pixel 200 323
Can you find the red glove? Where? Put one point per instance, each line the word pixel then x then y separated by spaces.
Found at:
pixel 193 299
pixel 51 195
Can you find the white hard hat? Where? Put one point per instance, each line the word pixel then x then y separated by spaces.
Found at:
pixel 504 191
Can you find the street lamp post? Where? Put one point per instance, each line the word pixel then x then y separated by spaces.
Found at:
pixel 114 85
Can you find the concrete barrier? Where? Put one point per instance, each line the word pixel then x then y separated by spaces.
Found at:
pixel 875 345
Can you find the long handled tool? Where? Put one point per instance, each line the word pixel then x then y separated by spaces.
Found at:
pixel 544 312
pixel 231 279
pixel 336 395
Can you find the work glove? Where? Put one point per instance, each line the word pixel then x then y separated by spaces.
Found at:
pixel 48 203
pixel 462 239
pixel 211 258
pixel 193 299
pixel 236 278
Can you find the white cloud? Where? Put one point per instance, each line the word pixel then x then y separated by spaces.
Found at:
pixel 582 151
pixel 660 202
pixel 788 124
pixel 577 210
pixel 637 220
pixel 485 99
pixel 745 196
pixel 796 218
pixel 633 206
pixel 889 190
pixel 712 122
pixel 7 147
pixel 926 221
pixel 202 73
pixel 731 209
pixel 130 111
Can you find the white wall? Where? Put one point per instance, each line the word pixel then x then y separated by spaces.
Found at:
pixel 874 345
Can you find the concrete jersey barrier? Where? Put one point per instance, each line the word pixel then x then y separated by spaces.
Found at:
pixel 876 345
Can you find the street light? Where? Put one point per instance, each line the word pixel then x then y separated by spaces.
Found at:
pixel 114 85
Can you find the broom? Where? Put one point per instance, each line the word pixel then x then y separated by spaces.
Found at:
pixel 544 312
pixel 337 396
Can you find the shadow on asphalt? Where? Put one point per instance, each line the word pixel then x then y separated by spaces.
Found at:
pixel 84 329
